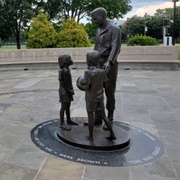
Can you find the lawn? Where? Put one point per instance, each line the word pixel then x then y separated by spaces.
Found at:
pixel 178 50
pixel 11 47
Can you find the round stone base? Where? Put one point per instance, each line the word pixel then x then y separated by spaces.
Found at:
pixel 78 137
pixel 144 147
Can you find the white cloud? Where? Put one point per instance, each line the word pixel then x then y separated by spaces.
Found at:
pixel 150 9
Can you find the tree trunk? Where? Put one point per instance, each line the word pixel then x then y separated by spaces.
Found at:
pixel 17 35
pixel 18 43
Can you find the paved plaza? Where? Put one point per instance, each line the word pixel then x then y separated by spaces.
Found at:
pixel 149 100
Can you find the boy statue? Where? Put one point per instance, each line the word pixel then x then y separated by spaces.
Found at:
pixel 93 82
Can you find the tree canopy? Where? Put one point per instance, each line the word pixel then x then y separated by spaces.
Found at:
pixel 78 9
pixel 167 14
pixel 73 34
pixel 42 33
pixel 136 25
pixel 91 30
pixel 15 16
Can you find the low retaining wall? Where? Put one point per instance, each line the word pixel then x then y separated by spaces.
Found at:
pixel 135 57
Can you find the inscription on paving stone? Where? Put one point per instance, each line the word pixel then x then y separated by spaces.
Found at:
pixel 144 147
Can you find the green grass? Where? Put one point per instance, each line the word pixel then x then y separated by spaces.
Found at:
pixel 178 50
pixel 11 47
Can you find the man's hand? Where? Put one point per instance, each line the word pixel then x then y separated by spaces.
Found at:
pixel 107 66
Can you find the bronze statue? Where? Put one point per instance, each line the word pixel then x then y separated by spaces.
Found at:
pixel 93 82
pixel 108 44
pixel 66 90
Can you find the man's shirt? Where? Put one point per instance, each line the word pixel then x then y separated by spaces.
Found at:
pixel 108 42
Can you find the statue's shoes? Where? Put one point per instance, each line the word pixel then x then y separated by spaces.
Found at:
pixel 65 127
pixel 72 123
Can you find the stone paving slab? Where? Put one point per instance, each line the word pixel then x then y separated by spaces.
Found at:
pixel 147 99
pixel 106 173
pixel 55 169
pixel 8 172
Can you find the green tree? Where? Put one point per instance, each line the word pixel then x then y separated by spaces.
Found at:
pixel 155 24
pixel 134 25
pixel 168 15
pixel 78 9
pixel 15 16
pixel 72 34
pixel 91 30
pixel 42 33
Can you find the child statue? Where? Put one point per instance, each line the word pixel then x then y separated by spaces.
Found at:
pixel 66 90
pixel 93 83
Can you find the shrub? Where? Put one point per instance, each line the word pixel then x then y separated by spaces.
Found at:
pixel 42 33
pixel 73 34
pixel 142 41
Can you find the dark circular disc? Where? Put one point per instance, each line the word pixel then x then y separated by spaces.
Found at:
pixel 78 137
pixel 144 146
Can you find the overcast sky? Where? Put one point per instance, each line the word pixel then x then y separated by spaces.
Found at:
pixel 140 7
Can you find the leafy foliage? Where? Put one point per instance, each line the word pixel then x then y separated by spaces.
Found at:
pixel 0 42
pixel 79 9
pixel 168 15
pixel 115 9
pixel 72 34
pixel 15 15
pixel 42 33
pixel 155 25
pixel 142 41
pixel 135 25
pixel 91 30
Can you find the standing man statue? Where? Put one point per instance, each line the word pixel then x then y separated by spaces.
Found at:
pixel 108 44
